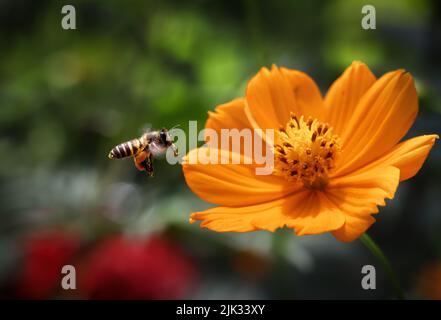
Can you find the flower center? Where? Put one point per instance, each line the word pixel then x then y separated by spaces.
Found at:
pixel 305 151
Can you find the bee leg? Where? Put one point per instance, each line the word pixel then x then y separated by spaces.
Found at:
pixel 148 163
pixel 139 159
pixel 175 150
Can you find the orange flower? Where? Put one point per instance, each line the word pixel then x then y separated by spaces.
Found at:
pixel 335 159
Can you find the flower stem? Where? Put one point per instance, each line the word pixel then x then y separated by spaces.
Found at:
pixel 384 261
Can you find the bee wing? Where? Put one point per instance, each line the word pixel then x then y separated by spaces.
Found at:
pixel 157 149
pixel 146 128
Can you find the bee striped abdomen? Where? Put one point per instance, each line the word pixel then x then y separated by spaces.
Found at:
pixel 125 149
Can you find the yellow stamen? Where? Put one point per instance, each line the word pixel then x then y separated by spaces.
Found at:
pixel 306 151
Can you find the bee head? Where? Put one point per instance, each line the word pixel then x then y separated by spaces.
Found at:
pixel 165 136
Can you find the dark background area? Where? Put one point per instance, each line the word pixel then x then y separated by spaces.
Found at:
pixel 68 96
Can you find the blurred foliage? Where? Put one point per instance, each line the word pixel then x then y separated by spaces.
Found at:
pixel 67 97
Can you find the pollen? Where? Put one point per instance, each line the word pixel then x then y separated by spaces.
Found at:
pixel 305 151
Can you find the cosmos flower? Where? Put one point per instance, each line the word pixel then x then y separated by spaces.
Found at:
pixel 336 159
pixel 124 268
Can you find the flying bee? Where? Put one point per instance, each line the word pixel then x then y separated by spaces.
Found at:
pixel 145 148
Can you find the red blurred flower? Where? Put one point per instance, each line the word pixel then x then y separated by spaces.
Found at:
pixel 45 253
pixel 122 268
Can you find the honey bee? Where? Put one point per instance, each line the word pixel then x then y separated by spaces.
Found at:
pixel 145 148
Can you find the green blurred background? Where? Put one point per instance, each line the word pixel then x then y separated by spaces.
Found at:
pixel 68 96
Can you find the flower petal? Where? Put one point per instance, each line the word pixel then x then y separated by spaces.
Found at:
pixel 231 184
pixel 239 219
pixel 314 214
pixel 382 117
pixel 228 116
pixel 306 211
pixel 307 96
pixel 409 155
pixel 345 93
pixel 358 195
pixel 272 94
